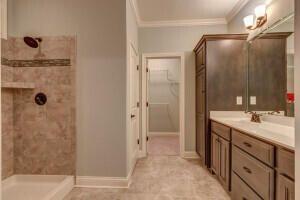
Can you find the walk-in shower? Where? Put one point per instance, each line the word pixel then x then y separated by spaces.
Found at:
pixel 38 117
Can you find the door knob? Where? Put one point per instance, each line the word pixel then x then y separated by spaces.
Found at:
pixel 132 116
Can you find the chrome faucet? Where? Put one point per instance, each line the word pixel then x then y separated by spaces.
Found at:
pixel 255 116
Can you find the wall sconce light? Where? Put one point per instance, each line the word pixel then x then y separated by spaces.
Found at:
pixel 261 18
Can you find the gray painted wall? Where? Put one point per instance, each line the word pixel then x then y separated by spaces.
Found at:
pixel 100 27
pixel 180 39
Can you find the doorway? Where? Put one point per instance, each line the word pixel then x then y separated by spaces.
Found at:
pixel 163 105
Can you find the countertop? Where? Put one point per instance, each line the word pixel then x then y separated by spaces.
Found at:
pixel 275 133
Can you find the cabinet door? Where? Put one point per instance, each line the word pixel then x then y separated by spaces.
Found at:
pixel 215 155
pixel 200 136
pixel 200 114
pixel 285 188
pixel 224 172
pixel 200 90
pixel 200 59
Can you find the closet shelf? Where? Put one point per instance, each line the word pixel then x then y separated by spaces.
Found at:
pixel 18 85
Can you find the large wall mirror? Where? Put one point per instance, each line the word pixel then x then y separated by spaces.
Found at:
pixel 271 69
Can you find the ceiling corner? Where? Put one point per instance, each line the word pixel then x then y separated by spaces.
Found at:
pixel 236 9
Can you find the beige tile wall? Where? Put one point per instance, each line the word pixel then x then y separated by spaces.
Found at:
pixel 7 125
pixel 43 136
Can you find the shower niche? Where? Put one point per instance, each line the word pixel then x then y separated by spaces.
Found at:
pixel 38 117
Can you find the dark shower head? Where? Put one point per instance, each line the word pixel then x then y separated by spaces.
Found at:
pixel 32 42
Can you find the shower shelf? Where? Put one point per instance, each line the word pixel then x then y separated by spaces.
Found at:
pixel 18 85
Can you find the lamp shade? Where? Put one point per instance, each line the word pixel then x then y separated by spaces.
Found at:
pixel 249 21
pixel 260 11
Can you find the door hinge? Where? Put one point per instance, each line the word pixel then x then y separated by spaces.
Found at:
pixel 138 141
pixel 137 67
pixel 138 104
pixel 147 138
pixel 147 69
pixel 147 104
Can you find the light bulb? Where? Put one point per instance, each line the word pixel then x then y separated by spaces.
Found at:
pixel 260 11
pixel 249 21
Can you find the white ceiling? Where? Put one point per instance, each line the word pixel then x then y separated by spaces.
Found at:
pixel 186 11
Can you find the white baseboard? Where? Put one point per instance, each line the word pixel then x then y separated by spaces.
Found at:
pixel 141 154
pixel 191 155
pixel 102 182
pixel 150 134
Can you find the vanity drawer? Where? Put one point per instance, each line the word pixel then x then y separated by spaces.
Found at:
pixel 241 191
pixel 221 130
pixel 286 163
pixel 257 148
pixel 256 174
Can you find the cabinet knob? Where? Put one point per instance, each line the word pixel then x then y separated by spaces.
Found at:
pixel 247 170
pixel 247 144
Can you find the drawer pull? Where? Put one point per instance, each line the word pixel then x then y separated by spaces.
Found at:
pixel 244 198
pixel 247 144
pixel 247 170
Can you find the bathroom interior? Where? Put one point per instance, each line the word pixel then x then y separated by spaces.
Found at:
pixel 144 99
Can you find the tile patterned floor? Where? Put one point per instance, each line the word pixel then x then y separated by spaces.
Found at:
pixel 163 145
pixel 161 178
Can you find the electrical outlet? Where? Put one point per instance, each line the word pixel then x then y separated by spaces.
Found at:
pixel 239 100
pixel 253 100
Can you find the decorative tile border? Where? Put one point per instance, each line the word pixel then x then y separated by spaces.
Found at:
pixel 36 63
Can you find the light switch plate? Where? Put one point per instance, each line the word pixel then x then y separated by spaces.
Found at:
pixel 239 100
pixel 253 100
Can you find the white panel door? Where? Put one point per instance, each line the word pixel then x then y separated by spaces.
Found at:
pixel 134 104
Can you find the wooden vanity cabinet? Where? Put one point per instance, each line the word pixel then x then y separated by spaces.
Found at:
pixel 219 80
pixel 285 185
pixel 221 67
pixel 285 188
pixel 220 154
pixel 249 167
pixel 215 153
pixel 266 168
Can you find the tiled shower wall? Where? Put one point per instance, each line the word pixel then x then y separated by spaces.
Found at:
pixel 7 125
pixel 40 139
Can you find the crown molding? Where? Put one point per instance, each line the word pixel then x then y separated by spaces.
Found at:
pixel 236 9
pixel 191 22
pixel 194 22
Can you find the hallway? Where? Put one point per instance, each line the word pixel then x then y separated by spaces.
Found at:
pixel 161 178
pixel 163 145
